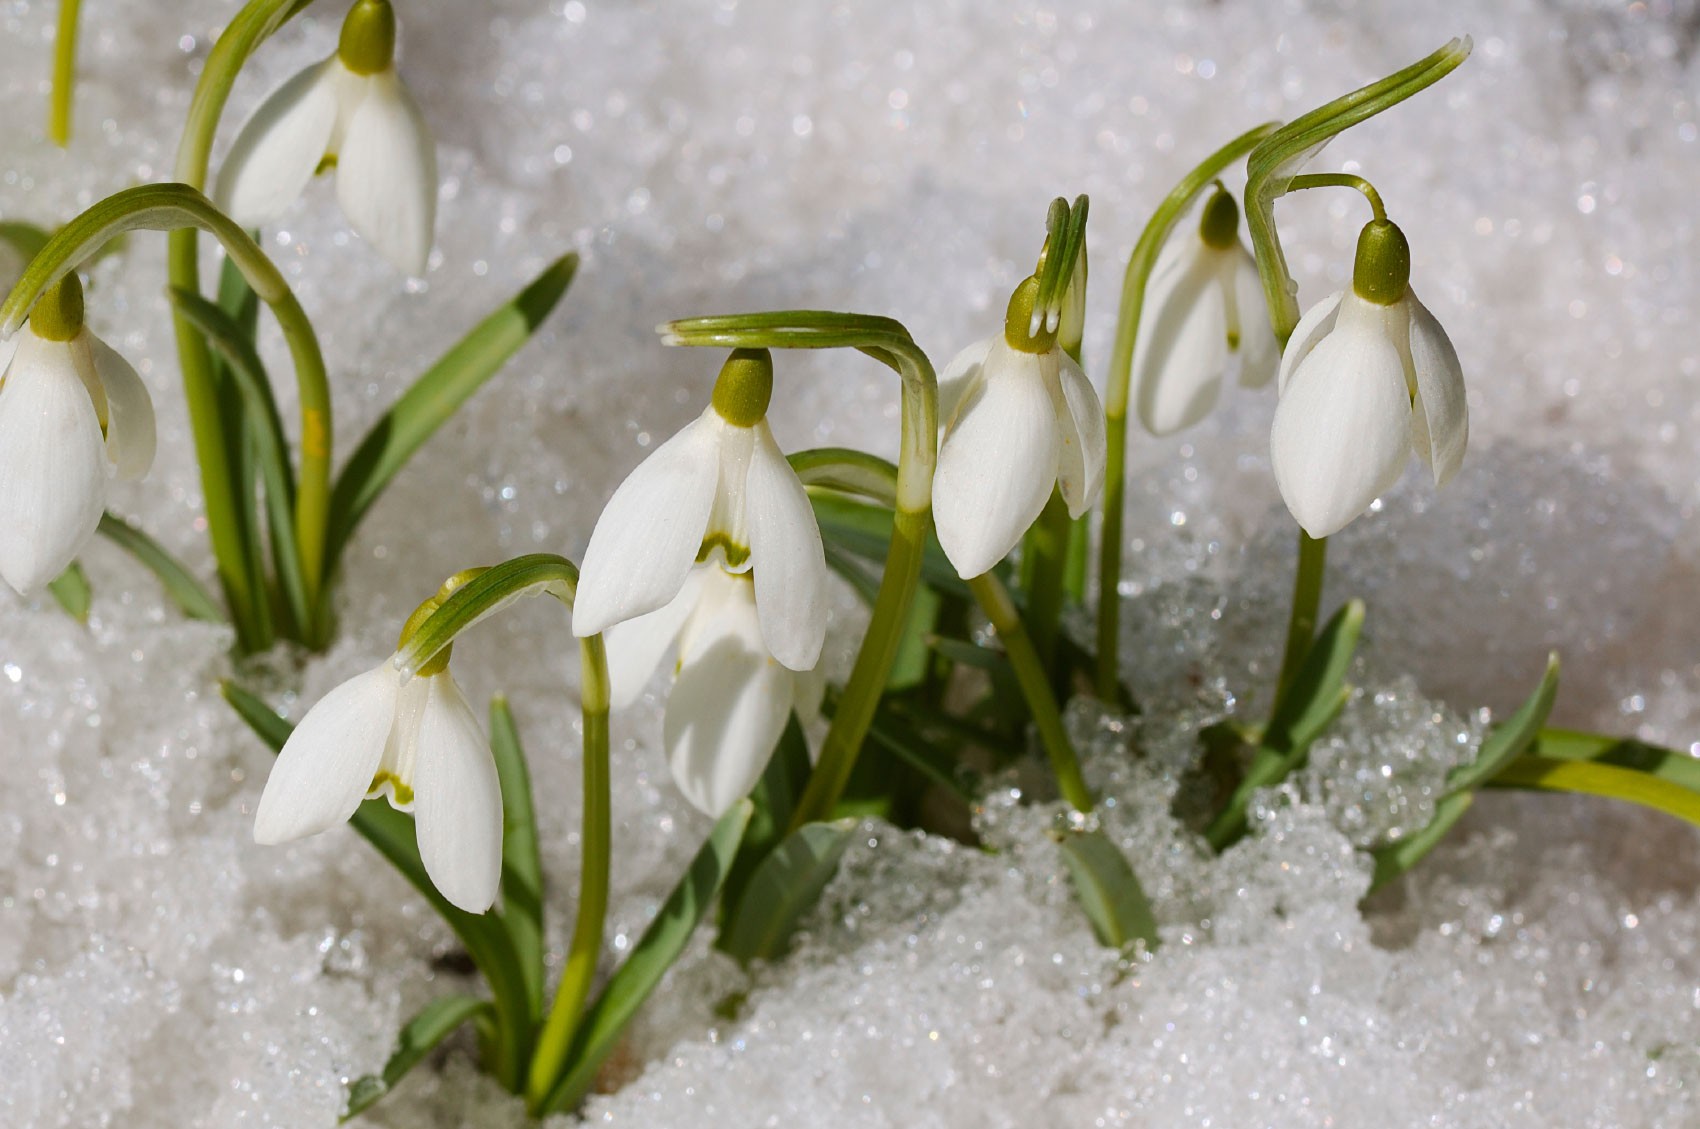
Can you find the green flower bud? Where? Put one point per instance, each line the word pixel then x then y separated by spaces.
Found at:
pixel 1020 316
pixel 58 316
pixel 1382 272
pixel 1219 226
pixel 367 45
pixel 744 387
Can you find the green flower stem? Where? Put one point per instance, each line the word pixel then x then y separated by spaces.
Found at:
pixel 480 597
pixel 995 601
pixel 1341 180
pixel 172 207
pixel 1307 599
pixel 1139 266
pixel 1271 172
pixel 889 343
pixel 64 74
pixel 1044 573
pixel 215 450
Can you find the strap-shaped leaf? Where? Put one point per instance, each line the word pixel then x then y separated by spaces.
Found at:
pixel 864 530
pixel 1395 859
pixel 785 885
pixel 1624 752
pixel 655 953
pixel 1109 891
pixel 775 799
pixel 522 866
pixel 185 591
pixel 1611 781
pixel 1508 741
pixel 436 395
pixel 434 1023
pixel 71 589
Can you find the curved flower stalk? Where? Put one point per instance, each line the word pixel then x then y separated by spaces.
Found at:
pixel 731 699
pixel 1204 303
pixel 73 415
pixel 1026 420
pixel 413 740
pixel 352 114
pixel 1368 376
pixel 720 491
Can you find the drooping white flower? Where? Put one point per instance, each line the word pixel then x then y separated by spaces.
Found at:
pixel 414 741
pixel 73 414
pixel 718 490
pixel 351 113
pixel 1020 418
pixel 1368 376
pixel 1204 301
pixel 731 698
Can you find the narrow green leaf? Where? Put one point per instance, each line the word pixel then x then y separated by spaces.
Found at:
pixel 438 394
pixel 1510 740
pixel 914 656
pixel 864 530
pixel 786 884
pixel 1395 859
pixel 71 589
pixel 655 953
pixel 436 1022
pixel 391 832
pixel 775 799
pixel 893 733
pixel 1594 779
pixel 185 591
pixel 26 238
pixel 522 866
pixel 1109 891
pixel 1624 752
pixel 972 655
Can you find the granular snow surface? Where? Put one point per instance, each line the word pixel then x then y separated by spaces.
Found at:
pixel 160 971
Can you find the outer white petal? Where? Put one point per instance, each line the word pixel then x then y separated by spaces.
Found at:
pixel 1080 427
pixel 1341 435
pixel 957 376
pixel 327 764
pixel 280 147
pixel 648 535
pixel 636 646
pixel 1440 417
pixel 1259 353
pixel 130 432
pixel 724 717
pixel 1183 342
pixel 787 560
pixel 457 800
pixel 9 349
pixel 53 468
pixel 1317 323
pixel 386 174
pixel 997 464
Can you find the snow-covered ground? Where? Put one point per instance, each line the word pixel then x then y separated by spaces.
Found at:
pixel 159 970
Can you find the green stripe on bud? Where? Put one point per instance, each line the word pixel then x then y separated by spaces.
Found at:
pixel 367 45
pixel 1382 272
pixel 744 387
pixel 1219 226
pixel 1019 317
pixel 58 316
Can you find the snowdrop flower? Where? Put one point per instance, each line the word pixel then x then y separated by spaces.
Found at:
pixel 1204 301
pixel 731 699
pixel 351 113
pixel 1367 376
pixel 414 741
pixel 717 491
pixel 1025 419
pixel 73 414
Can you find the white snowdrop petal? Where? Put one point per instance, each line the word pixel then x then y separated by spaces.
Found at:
pixel 328 763
pixel 279 148
pixel 787 559
pixel 649 533
pixel 724 717
pixel 1080 430
pixel 1341 434
pixel 130 431
pixel 1440 416
pixel 9 349
pixel 997 463
pixel 1259 353
pixel 457 800
pixel 636 646
pixel 957 376
pixel 1317 323
pixel 386 174
pixel 53 469
pixel 1182 351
